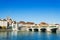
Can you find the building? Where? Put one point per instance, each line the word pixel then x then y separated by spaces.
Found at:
pixel 43 24
pixel 9 23
pixel 3 23
pixel 9 20
pixel 24 25
pixel 6 23
pixel 21 25
pixel 14 26
pixel 29 24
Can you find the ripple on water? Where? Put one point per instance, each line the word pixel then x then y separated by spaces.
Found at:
pixel 29 36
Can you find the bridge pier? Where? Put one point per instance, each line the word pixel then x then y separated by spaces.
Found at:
pixel 48 29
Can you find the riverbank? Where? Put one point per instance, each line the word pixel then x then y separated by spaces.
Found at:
pixel 5 30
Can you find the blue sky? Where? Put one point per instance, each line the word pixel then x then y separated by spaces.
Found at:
pixel 31 10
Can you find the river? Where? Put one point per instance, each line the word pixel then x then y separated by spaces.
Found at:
pixel 14 35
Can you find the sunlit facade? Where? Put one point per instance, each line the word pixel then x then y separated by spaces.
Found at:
pixel 3 23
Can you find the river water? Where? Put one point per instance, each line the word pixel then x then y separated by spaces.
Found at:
pixel 29 36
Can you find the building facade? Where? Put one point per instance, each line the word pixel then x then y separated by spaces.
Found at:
pixel 3 23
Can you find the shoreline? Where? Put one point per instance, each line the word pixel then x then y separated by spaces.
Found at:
pixel 8 30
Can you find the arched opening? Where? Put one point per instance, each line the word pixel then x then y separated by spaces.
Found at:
pixel 54 30
pixel 30 29
pixel 0 27
pixel 43 30
pixel 36 30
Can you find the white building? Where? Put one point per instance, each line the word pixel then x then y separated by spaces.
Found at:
pixel 14 26
pixel 3 23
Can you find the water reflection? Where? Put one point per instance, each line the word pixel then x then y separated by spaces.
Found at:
pixel 3 35
pixel 54 36
pixel 14 35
